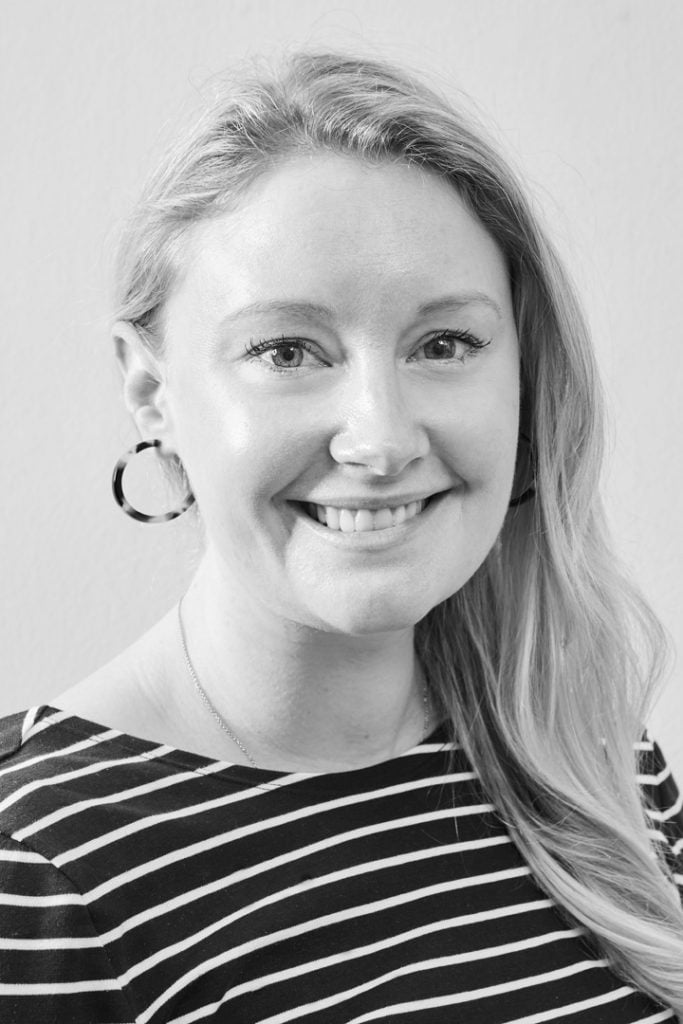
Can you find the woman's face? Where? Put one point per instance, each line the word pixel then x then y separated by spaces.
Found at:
pixel 341 347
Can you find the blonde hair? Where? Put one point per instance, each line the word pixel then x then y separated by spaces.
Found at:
pixel 548 660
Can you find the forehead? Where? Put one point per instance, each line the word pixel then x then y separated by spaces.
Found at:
pixel 333 226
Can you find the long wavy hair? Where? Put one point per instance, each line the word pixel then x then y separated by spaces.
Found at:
pixel 547 662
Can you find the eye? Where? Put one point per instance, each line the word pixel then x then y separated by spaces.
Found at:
pixel 448 346
pixel 280 354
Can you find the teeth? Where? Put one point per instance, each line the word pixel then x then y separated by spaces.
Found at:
pixel 347 520
pixel 364 520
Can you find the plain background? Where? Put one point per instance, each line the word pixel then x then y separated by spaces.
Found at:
pixel 584 96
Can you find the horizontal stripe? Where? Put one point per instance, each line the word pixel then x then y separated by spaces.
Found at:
pixel 474 955
pixel 111 798
pixel 62 752
pixel 284 859
pixel 352 872
pixel 670 812
pixel 253 829
pixel 152 820
pixel 427 1004
pixel 297 930
pixel 21 857
pixel 369 950
pixel 58 943
pixel 199 891
pixel 654 780
pixel 587 1004
pixel 78 773
pixel 57 988
pixel 64 899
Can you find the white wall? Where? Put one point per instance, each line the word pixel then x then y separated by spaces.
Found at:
pixel 585 95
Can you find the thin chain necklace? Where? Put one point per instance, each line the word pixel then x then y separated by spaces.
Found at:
pixel 218 718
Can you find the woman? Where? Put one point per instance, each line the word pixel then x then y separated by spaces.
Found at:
pixel 386 760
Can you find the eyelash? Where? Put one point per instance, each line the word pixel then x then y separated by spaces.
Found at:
pixel 254 350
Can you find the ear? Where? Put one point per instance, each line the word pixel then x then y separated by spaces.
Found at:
pixel 144 382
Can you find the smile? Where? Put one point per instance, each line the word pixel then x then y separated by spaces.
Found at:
pixel 363 520
pixel 371 528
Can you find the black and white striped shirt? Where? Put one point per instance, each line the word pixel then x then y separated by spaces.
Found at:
pixel 144 883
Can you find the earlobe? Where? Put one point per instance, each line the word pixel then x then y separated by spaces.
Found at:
pixel 144 383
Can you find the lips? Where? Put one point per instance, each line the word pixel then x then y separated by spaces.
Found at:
pixel 363 520
pixel 368 522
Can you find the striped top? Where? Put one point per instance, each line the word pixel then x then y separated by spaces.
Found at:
pixel 144 883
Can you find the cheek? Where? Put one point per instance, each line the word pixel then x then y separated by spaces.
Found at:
pixel 495 455
pixel 482 439
pixel 240 454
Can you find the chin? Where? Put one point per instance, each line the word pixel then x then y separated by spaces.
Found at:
pixel 374 614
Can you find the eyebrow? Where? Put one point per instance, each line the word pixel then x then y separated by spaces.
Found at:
pixel 313 309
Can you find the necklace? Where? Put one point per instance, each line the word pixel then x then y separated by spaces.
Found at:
pixel 218 718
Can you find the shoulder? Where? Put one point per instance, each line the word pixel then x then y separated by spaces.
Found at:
pixel 41 750
pixel 61 778
pixel 107 694
pixel 39 737
pixel 657 782
pixel 664 803
pixel 144 693
pixel 12 731
pixel 132 692
pixel 26 738
pixel 54 964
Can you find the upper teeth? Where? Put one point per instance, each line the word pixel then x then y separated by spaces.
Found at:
pixel 351 520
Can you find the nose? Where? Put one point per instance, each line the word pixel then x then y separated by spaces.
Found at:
pixel 381 429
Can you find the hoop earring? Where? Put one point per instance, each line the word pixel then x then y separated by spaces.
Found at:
pixel 531 489
pixel 120 498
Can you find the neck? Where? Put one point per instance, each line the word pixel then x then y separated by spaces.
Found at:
pixel 298 698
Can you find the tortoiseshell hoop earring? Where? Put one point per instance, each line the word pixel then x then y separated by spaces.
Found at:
pixel 531 490
pixel 122 500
